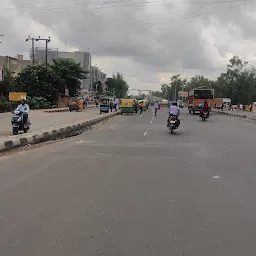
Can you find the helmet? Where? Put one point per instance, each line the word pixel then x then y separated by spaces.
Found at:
pixel 174 103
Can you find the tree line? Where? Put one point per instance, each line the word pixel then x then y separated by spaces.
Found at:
pixel 42 84
pixel 238 82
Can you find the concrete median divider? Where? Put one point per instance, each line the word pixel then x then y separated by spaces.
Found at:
pixel 232 114
pixel 54 110
pixel 54 133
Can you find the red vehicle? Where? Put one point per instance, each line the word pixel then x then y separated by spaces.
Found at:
pixel 197 96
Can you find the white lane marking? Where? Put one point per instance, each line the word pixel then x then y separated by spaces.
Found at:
pixel 216 177
pixel 153 118
pixel 145 133
pixel 82 141
pixel 151 122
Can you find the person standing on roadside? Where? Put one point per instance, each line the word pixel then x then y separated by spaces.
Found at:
pixel 141 107
pixel 111 105
pixel 156 107
pixel 116 104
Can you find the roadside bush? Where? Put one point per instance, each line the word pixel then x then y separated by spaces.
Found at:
pixel 34 103
pixel 38 103
pixel 6 105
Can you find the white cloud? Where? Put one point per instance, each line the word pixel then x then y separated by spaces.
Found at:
pixel 148 41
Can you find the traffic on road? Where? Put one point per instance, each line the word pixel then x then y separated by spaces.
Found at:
pixel 129 187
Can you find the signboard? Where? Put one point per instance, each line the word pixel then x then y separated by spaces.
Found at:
pixel 183 94
pixel 17 96
pixel 1 74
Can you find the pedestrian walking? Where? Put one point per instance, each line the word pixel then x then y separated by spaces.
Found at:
pixel 116 104
pixel 156 107
pixel 135 107
pixel 141 107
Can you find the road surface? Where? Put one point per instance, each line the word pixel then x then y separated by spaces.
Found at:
pixel 131 188
pixel 42 120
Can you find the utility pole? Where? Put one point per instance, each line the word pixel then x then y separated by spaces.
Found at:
pixel 47 40
pixel 33 48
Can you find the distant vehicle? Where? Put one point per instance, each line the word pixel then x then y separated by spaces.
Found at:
pixel 197 97
pixel 180 104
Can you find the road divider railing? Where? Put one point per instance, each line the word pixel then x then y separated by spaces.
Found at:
pixel 51 134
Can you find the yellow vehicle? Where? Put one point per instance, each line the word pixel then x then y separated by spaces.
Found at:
pixel 127 106
pixel 75 104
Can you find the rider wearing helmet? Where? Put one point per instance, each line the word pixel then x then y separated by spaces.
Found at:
pixel 174 111
pixel 23 107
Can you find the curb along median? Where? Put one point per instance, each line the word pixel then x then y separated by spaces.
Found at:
pixel 53 110
pixel 233 114
pixel 52 134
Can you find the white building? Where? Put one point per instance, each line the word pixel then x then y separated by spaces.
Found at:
pixel 97 75
pixel 84 58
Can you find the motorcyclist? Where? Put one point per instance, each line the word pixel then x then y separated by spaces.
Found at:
pixel 205 109
pixel 174 111
pixel 24 108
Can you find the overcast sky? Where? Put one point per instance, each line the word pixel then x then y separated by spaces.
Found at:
pixel 146 40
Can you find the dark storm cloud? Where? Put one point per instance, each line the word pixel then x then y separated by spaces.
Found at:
pixel 166 40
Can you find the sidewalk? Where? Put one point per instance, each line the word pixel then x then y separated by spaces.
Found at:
pixel 42 120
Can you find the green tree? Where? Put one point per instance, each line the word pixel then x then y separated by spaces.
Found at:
pixel 199 81
pixel 157 94
pixel 39 82
pixel 117 85
pixel 8 82
pixel 71 73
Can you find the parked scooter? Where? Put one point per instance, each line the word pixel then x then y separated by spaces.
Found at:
pixel 18 123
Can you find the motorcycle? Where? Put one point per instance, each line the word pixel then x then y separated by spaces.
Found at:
pixel 204 116
pixel 18 123
pixel 172 123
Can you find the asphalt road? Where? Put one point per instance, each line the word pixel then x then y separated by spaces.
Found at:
pixel 131 188
pixel 42 120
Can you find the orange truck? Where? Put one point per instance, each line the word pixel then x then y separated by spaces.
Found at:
pixel 198 96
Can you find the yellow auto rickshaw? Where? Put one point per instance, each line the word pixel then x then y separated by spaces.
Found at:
pixel 75 104
pixel 127 106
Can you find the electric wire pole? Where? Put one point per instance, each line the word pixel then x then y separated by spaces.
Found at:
pixel 33 48
pixel 47 40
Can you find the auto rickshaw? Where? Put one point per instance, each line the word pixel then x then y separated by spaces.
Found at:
pixel 127 106
pixel 75 104
pixel 104 105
